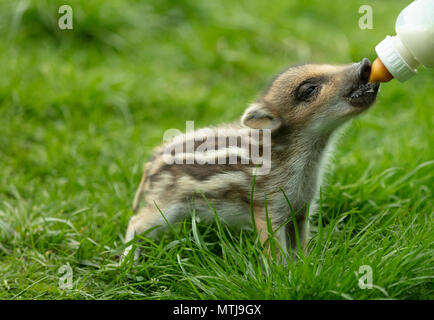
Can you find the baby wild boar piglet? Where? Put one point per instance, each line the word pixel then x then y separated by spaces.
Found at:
pixel 281 142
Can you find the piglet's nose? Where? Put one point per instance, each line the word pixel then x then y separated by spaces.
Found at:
pixel 364 70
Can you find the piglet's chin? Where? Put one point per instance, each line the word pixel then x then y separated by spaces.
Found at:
pixel 364 95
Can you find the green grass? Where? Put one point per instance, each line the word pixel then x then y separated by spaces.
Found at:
pixel 81 110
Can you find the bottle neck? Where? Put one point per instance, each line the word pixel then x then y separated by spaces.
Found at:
pixel 405 53
pixel 397 59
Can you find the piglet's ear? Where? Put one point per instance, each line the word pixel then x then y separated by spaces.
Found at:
pixel 257 116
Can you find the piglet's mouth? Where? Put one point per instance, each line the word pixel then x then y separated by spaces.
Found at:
pixel 363 95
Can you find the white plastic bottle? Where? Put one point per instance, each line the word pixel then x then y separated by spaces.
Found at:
pixel 413 44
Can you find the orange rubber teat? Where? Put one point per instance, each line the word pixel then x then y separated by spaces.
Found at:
pixel 379 72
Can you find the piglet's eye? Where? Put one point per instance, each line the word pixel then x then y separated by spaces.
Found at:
pixel 311 90
pixel 307 91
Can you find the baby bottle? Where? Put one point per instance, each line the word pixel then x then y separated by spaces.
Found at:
pixel 413 45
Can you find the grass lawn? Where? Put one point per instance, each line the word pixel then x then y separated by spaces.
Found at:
pixel 81 110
